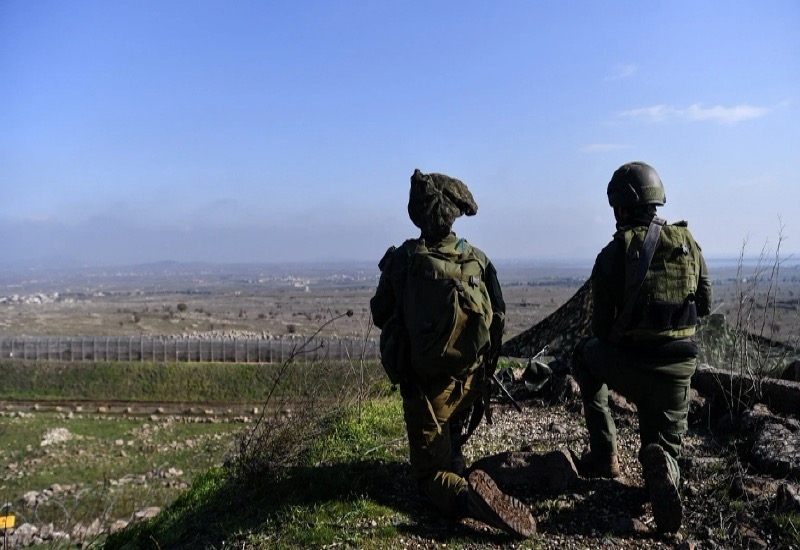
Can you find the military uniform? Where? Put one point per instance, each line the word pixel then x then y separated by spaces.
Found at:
pixel 439 390
pixel 642 345
pixel 654 373
pixel 435 401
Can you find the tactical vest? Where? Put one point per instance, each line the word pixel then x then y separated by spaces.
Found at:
pixel 664 306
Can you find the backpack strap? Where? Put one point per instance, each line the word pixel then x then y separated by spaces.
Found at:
pixel 642 265
pixel 407 249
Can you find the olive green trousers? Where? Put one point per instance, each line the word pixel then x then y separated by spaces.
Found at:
pixel 658 387
pixel 428 413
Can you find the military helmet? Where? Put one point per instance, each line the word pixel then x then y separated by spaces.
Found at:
pixel 635 184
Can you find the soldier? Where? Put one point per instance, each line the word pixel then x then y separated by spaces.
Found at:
pixel 649 285
pixel 441 314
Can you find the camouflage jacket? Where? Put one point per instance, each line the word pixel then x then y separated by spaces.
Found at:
pixel 608 284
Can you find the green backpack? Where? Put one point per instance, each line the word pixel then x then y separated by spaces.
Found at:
pixel 446 307
pixel 663 307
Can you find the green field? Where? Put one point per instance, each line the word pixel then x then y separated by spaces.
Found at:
pixel 74 465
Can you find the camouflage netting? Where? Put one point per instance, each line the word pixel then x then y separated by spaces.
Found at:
pixel 721 345
pixel 558 333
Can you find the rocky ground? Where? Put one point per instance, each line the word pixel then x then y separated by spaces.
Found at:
pixel 133 465
pixel 740 482
pixel 740 479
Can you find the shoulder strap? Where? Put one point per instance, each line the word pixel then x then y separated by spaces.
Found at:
pixel 642 265
pixel 408 248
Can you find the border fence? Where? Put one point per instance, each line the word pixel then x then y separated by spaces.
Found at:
pixel 218 350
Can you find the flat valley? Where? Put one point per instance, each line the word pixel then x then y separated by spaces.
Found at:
pixel 269 301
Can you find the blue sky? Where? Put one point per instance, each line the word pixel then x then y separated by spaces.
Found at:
pixel 137 131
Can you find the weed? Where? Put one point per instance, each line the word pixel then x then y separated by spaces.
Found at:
pixel 788 526
pixel 311 471
pixel 747 346
pixel 330 494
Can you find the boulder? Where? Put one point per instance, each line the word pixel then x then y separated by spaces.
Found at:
pixel 551 473
pixel 776 442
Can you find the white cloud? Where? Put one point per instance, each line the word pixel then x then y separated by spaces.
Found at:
pixel 696 112
pixel 726 115
pixel 622 71
pixel 603 147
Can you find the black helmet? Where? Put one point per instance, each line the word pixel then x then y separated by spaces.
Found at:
pixel 635 184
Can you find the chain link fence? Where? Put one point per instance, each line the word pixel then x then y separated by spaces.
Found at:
pixel 220 350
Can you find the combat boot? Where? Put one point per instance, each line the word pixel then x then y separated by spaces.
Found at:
pixel 593 465
pixel 458 463
pixel 664 496
pixel 488 504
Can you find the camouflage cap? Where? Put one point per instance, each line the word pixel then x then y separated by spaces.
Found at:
pixel 436 200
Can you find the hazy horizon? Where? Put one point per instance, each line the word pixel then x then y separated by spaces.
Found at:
pixel 787 262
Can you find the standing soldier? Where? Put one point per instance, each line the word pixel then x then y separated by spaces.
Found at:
pixel 441 313
pixel 649 285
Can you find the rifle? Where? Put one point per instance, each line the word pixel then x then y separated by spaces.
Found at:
pixel 481 407
pixel 505 393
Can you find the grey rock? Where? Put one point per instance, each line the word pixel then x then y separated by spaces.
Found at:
pixel 118 525
pixel 626 526
pixel 147 513
pixel 776 447
pixel 787 498
pixel 552 472
pixel 24 534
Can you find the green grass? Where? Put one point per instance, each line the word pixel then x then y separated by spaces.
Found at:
pixel 358 432
pixel 337 492
pixel 340 493
pixel 101 452
pixel 187 382
pixel 788 526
